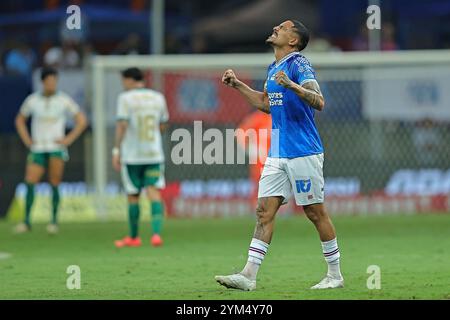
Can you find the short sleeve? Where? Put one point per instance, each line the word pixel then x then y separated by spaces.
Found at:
pixel 302 72
pixel 122 109
pixel 26 107
pixel 71 106
pixel 165 111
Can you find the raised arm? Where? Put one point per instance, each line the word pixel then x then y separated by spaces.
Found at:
pixel 309 92
pixel 257 99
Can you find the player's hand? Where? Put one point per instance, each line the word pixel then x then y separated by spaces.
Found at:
pixel 230 79
pixel 28 143
pixel 64 142
pixel 116 162
pixel 282 79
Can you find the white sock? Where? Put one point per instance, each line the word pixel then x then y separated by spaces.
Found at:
pixel 256 253
pixel 331 253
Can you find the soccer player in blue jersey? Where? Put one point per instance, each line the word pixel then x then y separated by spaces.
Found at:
pixel 295 162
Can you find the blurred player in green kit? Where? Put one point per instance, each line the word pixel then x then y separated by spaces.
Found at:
pixel 138 153
pixel 48 143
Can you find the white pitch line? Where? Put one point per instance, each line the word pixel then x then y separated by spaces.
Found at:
pixel 4 255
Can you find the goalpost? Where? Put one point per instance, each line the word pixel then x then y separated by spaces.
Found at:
pixel 349 81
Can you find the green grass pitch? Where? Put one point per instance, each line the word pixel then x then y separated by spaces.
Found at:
pixel 412 252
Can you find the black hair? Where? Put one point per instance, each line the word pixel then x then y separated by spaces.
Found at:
pixel 303 34
pixel 48 71
pixel 133 73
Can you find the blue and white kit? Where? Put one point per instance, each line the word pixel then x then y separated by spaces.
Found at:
pixel 295 160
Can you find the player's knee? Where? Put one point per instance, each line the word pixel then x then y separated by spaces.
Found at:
pixel 153 194
pixel 54 178
pixel 313 216
pixel 31 180
pixel 316 215
pixel 262 215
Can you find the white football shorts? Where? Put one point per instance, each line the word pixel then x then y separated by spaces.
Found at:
pixel 302 176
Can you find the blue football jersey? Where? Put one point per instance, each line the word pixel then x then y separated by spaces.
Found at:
pixel 294 132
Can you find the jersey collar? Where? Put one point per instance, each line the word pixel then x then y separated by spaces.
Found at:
pixel 286 57
pixel 44 96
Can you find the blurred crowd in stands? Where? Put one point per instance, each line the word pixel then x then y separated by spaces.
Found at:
pixel 32 36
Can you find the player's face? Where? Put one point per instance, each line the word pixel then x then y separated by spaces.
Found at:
pixel 282 34
pixel 127 83
pixel 50 83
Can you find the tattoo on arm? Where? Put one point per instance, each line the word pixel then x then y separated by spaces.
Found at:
pixel 312 95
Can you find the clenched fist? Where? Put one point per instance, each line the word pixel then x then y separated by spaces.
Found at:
pixel 282 79
pixel 230 79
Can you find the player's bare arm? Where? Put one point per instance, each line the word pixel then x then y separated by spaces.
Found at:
pixel 80 126
pixel 121 129
pixel 309 92
pixel 22 130
pixel 257 99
